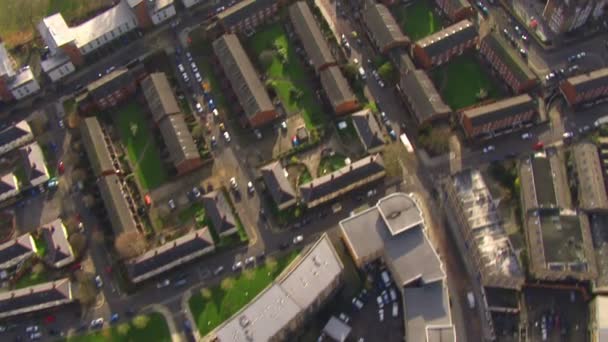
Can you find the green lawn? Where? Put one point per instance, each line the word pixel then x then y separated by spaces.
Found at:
pixel 217 305
pixel 304 177
pixel 189 213
pixel 288 77
pixel 461 80
pixel 417 20
pixel 18 18
pixel 142 150
pixel 31 279
pixel 331 164
pixel 155 330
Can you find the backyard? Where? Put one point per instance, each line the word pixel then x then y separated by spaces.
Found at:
pixel 213 306
pixel 142 150
pixel 417 20
pixel 330 164
pixel 462 82
pixel 18 18
pixel 152 327
pixel 279 60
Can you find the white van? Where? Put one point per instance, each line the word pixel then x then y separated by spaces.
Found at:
pixel 362 73
pixel 385 278
pixel 471 299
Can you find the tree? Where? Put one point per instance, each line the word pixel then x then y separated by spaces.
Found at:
pixel 141 321
pixel 197 131
pixel 86 289
pixel 350 71
pixel 78 241
pixel 206 293
pixel 387 73
pixel 130 244
pixel 123 329
pixel 227 283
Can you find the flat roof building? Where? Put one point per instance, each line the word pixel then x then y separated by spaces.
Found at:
pixel 544 184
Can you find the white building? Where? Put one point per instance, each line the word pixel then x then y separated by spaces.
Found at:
pixel 161 10
pixel 599 319
pixel 58 66
pixel 190 3
pixel 35 167
pixel 15 84
pixel 15 136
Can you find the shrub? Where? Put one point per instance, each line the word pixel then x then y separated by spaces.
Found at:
pixel 141 321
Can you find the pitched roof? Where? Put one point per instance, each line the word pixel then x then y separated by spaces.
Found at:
pixel 588 81
pixel 402 60
pixel 59 252
pixel 110 20
pixel 159 96
pixel 277 183
pixel 109 83
pixel 342 178
pixel 116 204
pixel 447 38
pixel 426 102
pixel 9 185
pixel 500 109
pixel 35 165
pixel 95 146
pixel 336 87
pixel 517 65
pixel 6 67
pixel 383 27
pixel 178 139
pixel 242 10
pixel 368 129
pixel 243 77
pixel 170 255
pixel 15 250
pixel 310 35
pixel 590 177
pixel 35 298
pixel 220 212
pixel 19 131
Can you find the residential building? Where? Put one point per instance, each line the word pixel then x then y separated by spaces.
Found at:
pixel 59 252
pixel 368 130
pixel 340 182
pixel 152 12
pixel 219 211
pixel 277 184
pixel 247 15
pixel 544 184
pixel 170 255
pixel 108 91
pixel 34 164
pixel 15 84
pixel 78 41
pixel 159 96
pixel 119 206
pixel 15 136
pixel 402 61
pixel 9 187
pixel 57 66
pixel 592 195
pixel 284 306
pixel 501 116
pixel 422 98
pixel 585 88
pixel 440 47
pixel 479 232
pixel 511 68
pixel 394 230
pixel 599 319
pixel 310 36
pixel 382 28
pixel 564 16
pixel 338 92
pixel 97 146
pixel 36 298
pixel 456 10
pixel 15 251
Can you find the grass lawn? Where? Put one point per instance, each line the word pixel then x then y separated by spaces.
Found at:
pixel 213 306
pixel 460 81
pixel 31 279
pixel 141 147
pixel 304 177
pixel 156 329
pixel 330 164
pixel 19 17
pixel 418 20
pixel 189 213
pixel 289 75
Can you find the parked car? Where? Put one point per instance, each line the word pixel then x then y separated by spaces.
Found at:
pixel 538 145
pixel 393 294
pixel 114 318
pixel 381 315
pixel 35 336
pixel 171 204
pixel 357 303
pixel 163 283
pixel 233 184
pixel 196 192
pixel 218 270
pixel 344 317
pixel 189 56
pixel 181 68
pixel 237 266
pixel 227 137
pixel 257 134
pixel 568 135
pixel 32 328
pixel 526 136
pixel 98 281
pixel 489 149
pixel 213 141
pixel 284 125
pixel 250 188
pixel 395 309
pixel 298 239
pixel 199 107
pixel 380 302
pixel 97 323
pixel 250 260
pixel 385 278
pixel 61 124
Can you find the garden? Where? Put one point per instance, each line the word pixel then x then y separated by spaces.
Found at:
pixel 152 327
pixel 417 20
pixel 331 163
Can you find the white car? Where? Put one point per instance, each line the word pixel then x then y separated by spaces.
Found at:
pixel 171 204
pixel 31 329
pixel 218 270
pixel 250 187
pixel 97 323
pixel 489 149
pixel 298 239
pixel 35 336
pixel 194 67
pixel 284 125
pixel 198 77
pixel 393 294
pixel 181 68
pixel 216 113
pixel 526 136
pixel 250 260
pixel 237 266
pixel 385 278
pixel 189 56
pixel 357 303
pixel 98 282
pixel 233 183
pixel 344 317
pixel 395 309
pixel 199 108
pixel 227 136
pixel 381 315
pixel 380 302
pixel 257 134
pixel 568 135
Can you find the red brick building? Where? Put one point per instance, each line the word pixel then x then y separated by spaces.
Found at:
pixel 442 46
pixel 456 10
pixel 107 92
pixel 339 94
pixel 247 15
pixel 504 61
pixel 382 28
pixel 585 88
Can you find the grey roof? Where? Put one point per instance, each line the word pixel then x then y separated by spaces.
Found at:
pixel 23 76
pixel 368 129
pixel 592 188
pixel 109 83
pixel 59 251
pixel 402 60
pixel 170 255
pixel 159 96
pixel 447 38
pixel 400 213
pixel 336 87
pixel 178 139
pixel 423 96
pixel 220 212
pixel 103 23
pixel 54 61
pixel 242 10
pixel 8 183
pixel 35 298
pixel 336 329
pixel 6 67
pixel 310 35
pixel 15 250
pixel 543 182
pixel 243 77
pixel 589 81
pixel 95 146
pixel 342 178
pixel 516 64
pixel 15 132
pixel 277 183
pixel 408 251
pixel 500 110
pixel 35 165
pixel 116 204
pixel 383 27
pixel 427 313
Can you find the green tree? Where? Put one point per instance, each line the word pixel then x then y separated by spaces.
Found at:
pixel 123 329
pixel 141 321
pixel 227 283
pixel 387 73
pixel 350 71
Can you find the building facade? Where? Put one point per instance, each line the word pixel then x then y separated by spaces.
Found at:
pixel 585 89
pixel 247 15
pixel 15 84
pixel 456 10
pixel 564 16
pixel 440 47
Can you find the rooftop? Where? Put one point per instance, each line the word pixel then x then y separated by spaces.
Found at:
pixel 543 181
pixel 427 313
pixel 336 87
pixel 368 129
pixel 220 212
pixel 116 204
pixel 515 63
pixel 381 23
pixel 9 186
pixel 159 96
pixel 277 183
pixel 591 184
pixel 35 298
pixel 110 82
pixel 423 96
pixel 310 35
pixel 244 9
pixel 107 21
pixel 95 145
pixel 601 318
pixel 500 110
pixel 448 38
pixel 400 212
pixel 23 76
pixel 590 80
pixel 59 252
pixel 36 167
pixel 15 250
pixel 178 139
pixel 19 131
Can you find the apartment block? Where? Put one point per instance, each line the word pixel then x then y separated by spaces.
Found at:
pixel 586 88
pixel 440 47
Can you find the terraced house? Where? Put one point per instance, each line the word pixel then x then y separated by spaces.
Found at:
pixel 108 91
pixel 15 84
pixel 456 10
pixel 421 96
pixel 247 15
pixel 586 88
pixel 440 47
pixel 382 28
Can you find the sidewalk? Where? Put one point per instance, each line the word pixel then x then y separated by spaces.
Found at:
pixel 176 336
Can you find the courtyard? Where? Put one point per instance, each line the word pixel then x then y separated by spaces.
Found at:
pixel 418 19
pixel 152 327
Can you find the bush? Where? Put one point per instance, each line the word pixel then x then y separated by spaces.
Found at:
pixel 123 329
pixel 141 321
pixel 227 283
pixel 206 293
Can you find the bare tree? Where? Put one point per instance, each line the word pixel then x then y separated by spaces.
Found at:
pixel 78 242
pixel 130 244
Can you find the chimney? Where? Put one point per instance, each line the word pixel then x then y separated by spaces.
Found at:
pixel 371 158
pixel 155 252
pixel 351 167
pixel 174 243
pixel 331 176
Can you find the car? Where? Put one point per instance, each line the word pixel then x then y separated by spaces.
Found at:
pixel 2 328
pixel 392 134
pixel 362 73
pixel 163 283
pixel 233 183
pixel 218 270
pixel 550 76
pixel 485 10
pixel 211 104
pixel 524 38
pixel 222 127
pixel 199 107
pixel 384 117
pixel 32 328
pixel 227 136
pixel 526 136
pixel 344 317
pixel 357 303
pixel 98 281
pixel 61 124
pixel 581 54
pixel 284 245
pixel 171 204
pixel 237 266
pixel 261 256
pixel 97 323
pixel 284 125
pixel 249 260
pixel 180 282
pixel 371 193
pixel 523 52
pixel 114 318
pixel 61 167
pixel 381 315
pixel 181 68
pixel 35 336
pixel 385 278
pixel 194 67
pixel 189 56
pixel 489 149
pixel 538 145
pixel 257 134
pixel 216 113
pixel 250 188
pixel 213 141
pixel 385 297
pixel 568 135
pixel 393 294
pixel 381 83
pixel 196 192
pixel 380 302
pixel 395 309
pixel 187 325
pixel 298 239
pixel 185 77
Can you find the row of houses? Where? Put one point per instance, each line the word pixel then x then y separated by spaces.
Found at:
pixel 29 172
pixel 15 83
